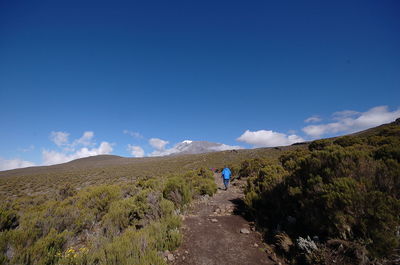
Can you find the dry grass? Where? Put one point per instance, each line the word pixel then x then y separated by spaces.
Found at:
pixel 81 173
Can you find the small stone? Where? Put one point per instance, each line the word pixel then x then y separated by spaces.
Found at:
pixel 244 231
pixel 256 245
pixel 214 220
pixel 273 257
pixel 186 252
pixel 253 228
pixel 170 257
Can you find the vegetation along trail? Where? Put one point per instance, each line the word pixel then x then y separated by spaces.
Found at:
pixel 215 232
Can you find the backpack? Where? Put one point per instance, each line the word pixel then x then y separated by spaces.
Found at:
pixel 226 173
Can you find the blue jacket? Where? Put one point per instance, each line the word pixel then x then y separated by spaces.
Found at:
pixel 226 173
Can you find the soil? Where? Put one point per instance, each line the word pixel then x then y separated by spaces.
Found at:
pixel 212 232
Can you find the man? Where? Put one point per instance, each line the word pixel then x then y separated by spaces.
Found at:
pixel 226 176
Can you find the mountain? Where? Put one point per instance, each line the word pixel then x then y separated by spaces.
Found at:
pixel 188 147
pixel 186 154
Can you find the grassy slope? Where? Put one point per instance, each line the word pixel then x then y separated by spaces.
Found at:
pixel 108 169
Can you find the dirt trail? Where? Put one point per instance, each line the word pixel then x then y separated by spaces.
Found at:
pixel 212 233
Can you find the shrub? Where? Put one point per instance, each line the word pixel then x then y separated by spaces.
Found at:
pixel 97 200
pixel 45 250
pixel 8 219
pixel 205 173
pixel 250 168
pixel 347 190
pixel 4 244
pixel 206 186
pixel 105 224
pixel 178 191
pixel 139 247
pixel 66 191
pixel 133 247
pixel 319 144
pixel 135 211
pixel 346 141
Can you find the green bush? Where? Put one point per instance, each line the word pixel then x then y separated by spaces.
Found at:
pixel 8 219
pixel 319 144
pixel 133 247
pixel 44 251
pixel 140 246
pixel 178 191
pixel 251 168
pixel 348 190
pixel 106 224
pixel 4 243
pixel 206 187
pixel 205 173
pixel 346 141
pixel 136 211
pixel 97 200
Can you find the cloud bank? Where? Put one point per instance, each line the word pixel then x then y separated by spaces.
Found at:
pixel 264 138
pixel 135 151
pixel 133 134
pixel 79 148
pixel 225 147
pixel 351 121
pixel 158 144
pixel 313 119
pixel 59 138
pixel 14 163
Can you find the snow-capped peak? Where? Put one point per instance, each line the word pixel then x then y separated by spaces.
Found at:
pixel 187 142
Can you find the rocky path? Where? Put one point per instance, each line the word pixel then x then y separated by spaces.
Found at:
pixel 216 234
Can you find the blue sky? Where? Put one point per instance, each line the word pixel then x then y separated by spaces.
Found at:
pixel 145 75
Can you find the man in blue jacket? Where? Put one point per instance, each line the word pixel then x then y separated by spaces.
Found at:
pixel 226 176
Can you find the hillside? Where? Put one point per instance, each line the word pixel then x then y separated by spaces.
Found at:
pixel 104 169
pixel 107 169
pixel 329 201
pixel 337 202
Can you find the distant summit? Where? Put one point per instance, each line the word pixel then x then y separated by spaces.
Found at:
pixel 198 147
pixel 187 147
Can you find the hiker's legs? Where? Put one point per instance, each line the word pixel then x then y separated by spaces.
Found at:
pixel 226 183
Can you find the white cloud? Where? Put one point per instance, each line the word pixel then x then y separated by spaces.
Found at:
pixel 85 140
pixel 59 138
pixel 352 121
pixel 28 149
pixel 158 144
pixel 79 148
pixel 313 119
pixel 51 157
pixel 133 134
pixel 14 163
pixel 264 138
pixel 136 151
pixel 165 152
pixel 344 114
pixel 224 147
